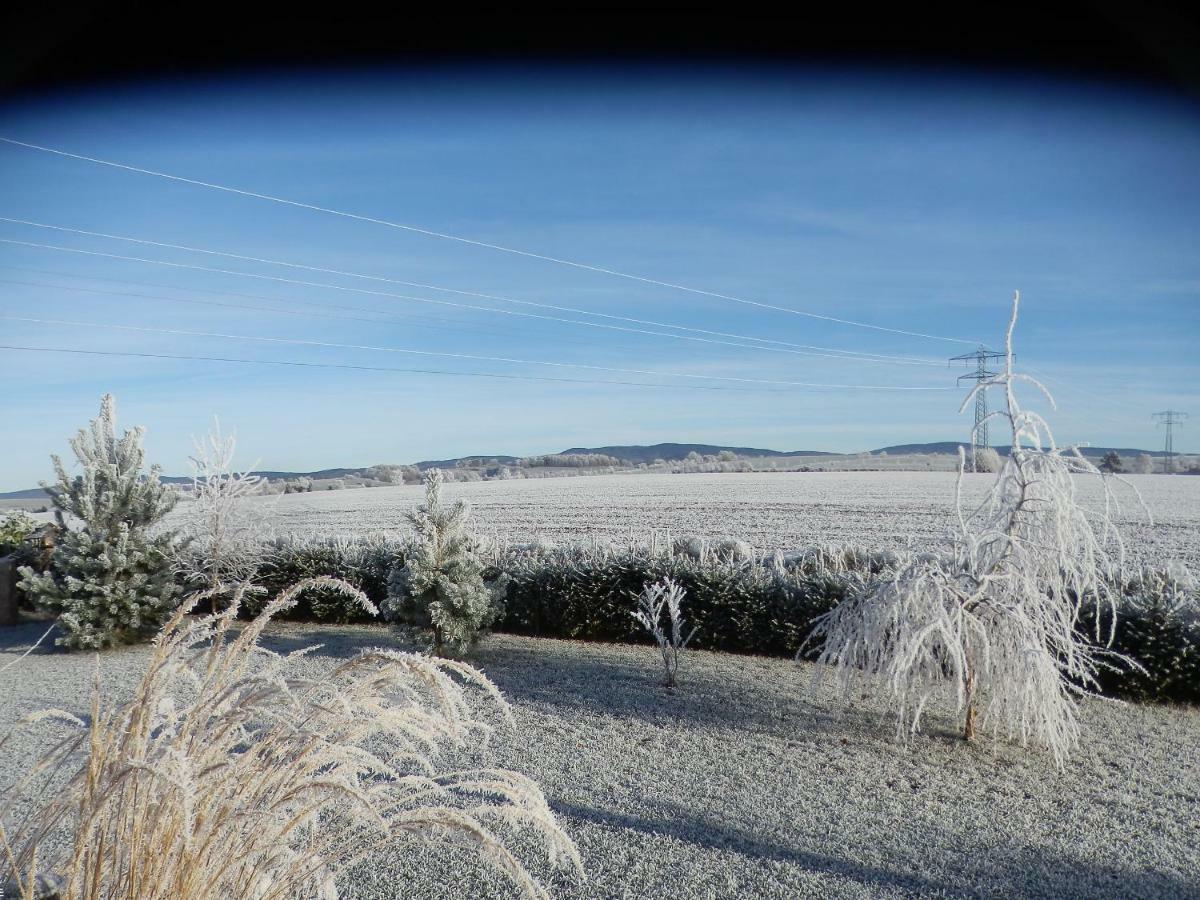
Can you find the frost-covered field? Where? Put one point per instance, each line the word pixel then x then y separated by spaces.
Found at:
pixel 770 510
pixel 744 785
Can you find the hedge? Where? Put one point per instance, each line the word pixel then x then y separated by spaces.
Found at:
pixel 761 605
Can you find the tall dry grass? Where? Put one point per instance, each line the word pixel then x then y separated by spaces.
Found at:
pixel 229 775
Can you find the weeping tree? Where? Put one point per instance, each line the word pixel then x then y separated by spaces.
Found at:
pixel 109 580
pixel 441 585
pixel 995 615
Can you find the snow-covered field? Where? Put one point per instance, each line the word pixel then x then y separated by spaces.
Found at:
pixel 770 510
pixel 744 785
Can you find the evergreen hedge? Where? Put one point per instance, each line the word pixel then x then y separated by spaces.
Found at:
pixel 762 606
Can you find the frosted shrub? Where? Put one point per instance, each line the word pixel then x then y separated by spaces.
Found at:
pixel 232 775
pixel 651 603
pixel 15 527
pixel 691 547
pixel 987 460
pixel 440 585
pixel 108 580
pixel 224 546
pixel 733 550
pixel 995 617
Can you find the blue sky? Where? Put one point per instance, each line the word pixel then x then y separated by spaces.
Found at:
pixel 907 201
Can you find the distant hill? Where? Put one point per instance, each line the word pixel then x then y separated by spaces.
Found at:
pixel 952 447
pixel 637 453
pixel 27 494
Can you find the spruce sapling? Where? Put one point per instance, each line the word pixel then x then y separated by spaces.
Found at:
pixel 441 585
pixel 108 580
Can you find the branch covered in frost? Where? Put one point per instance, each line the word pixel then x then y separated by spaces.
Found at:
pixel 651 602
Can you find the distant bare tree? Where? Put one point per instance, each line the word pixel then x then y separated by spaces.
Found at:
pixel 987 460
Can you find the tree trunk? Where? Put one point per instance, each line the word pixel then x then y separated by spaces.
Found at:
pixel 8 590
pixel 969 726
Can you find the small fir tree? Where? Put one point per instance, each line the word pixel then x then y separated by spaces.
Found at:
pixel 109 580
pixel 441 585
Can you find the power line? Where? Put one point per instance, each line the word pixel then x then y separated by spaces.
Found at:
pixel 476 243
pixel 450 303
pixel 473 357
pixel 433 287
pixel 312 365
pixel 448 324
pixel 380 316
pixel 385 316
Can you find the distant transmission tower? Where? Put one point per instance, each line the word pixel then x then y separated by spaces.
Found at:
pixel 1169 418
pixel 981 358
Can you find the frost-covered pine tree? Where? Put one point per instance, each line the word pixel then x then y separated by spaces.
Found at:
pixel 995 617
pixel 441 586
pixel 224 548
pixel 109 580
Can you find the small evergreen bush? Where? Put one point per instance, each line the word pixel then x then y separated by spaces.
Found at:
pixel 440 585
pixel 1158 626
pixel 15 527
pixel 109 581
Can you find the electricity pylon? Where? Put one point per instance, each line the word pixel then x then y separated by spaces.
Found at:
pixel 979 434
pixel 1169 418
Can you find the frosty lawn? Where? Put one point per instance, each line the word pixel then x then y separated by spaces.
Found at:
pixel 741 784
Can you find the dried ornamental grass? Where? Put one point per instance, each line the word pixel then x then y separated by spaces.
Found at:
pixel 230 776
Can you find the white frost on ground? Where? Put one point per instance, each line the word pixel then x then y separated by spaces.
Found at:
pixel 782 511
pixel 742 785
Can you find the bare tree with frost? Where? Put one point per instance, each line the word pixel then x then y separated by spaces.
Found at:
pixel 654 598
pixel 224 544
pixel 996 616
